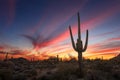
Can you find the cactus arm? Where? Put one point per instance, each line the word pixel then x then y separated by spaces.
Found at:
pixel 73 44
pixel 86 42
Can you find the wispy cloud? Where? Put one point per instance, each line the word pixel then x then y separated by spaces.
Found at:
pixel 19 52
pixel 37 41
pixel 106 34
pixel 89 24
pixel 107 46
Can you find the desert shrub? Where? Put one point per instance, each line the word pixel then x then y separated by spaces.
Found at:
pixel 20 76
pixel 96 75
pixel 33 72
pixel 7 64
pixel 5 74
pixel 64 71
pixel 116 74
pixel 101 65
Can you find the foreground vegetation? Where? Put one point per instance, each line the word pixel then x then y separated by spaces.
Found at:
pixel 22 69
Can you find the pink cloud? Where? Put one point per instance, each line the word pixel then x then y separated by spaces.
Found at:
pixel 20 52
pixel 115 39
pixel 106 33
pixel 1 48
pixel 110 45
pixel 89 24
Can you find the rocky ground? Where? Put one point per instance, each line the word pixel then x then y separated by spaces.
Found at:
pixel 22 69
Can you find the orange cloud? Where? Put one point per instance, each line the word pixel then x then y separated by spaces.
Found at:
pixel 107 48
pixel 102 56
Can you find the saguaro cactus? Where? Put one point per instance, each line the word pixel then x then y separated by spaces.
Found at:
pixel 79 46
pixel 6 56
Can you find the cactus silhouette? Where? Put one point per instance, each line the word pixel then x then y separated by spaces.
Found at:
pixel 79 46
pixel 57 58
pixel 6 56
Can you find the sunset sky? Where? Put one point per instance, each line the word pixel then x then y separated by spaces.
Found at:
pixel 40 28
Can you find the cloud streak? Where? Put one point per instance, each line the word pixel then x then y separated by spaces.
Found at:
pixel 107 46
pixel 88 24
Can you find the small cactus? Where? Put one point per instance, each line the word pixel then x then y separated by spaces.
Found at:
pixel 6 57
pixel 57 58
pixel 79 46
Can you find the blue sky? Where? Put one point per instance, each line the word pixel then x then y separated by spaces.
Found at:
pixel 49 21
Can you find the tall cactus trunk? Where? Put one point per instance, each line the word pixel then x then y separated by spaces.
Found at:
pixel 80 65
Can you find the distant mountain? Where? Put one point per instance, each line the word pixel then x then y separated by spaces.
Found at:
pixel 116 58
